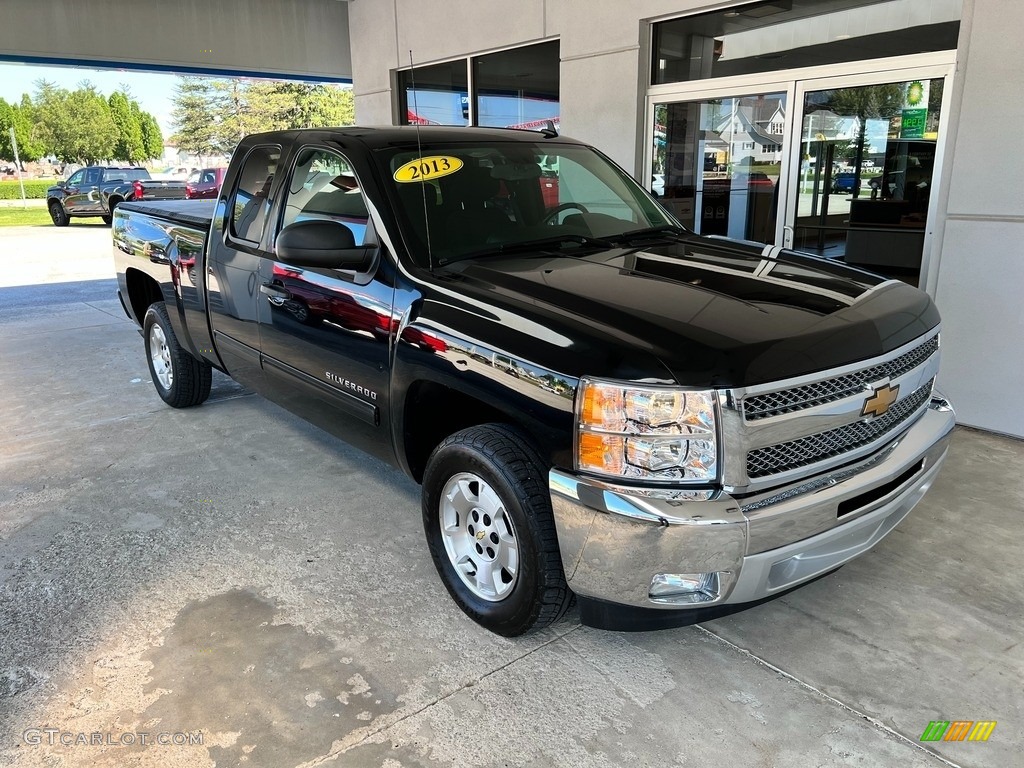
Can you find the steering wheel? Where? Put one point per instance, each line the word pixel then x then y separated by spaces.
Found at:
pixel 549 217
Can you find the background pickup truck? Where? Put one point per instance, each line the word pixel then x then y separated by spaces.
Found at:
pixel 98 190
pixel 598 403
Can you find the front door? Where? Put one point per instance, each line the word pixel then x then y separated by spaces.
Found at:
pixel 326 333
pixel 236 252
pixel 865 170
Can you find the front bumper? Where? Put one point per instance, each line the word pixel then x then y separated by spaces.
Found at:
pixel 614 540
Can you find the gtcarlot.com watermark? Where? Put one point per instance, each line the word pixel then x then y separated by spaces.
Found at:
pixel 54 736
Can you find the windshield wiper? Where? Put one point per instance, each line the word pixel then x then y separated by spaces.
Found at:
pixel 647 233
pixel 544 243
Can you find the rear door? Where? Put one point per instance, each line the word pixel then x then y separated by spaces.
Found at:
pixel 236 250
pixel 325 333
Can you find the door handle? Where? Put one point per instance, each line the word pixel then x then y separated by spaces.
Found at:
pixel 274 292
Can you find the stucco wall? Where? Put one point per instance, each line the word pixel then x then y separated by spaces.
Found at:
pixel 305 38
pixel 600 41
pixel 979 270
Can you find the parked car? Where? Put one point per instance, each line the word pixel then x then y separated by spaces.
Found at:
pixel 204 184
pixel 98 190
pixel 175 173
pixel 845 181
pixel 601 404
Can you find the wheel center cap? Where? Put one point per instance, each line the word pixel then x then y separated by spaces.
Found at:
pixel 480 535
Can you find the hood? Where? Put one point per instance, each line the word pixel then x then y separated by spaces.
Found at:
pixel 713 312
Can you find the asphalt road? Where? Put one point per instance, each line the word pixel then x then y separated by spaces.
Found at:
pixel 234 576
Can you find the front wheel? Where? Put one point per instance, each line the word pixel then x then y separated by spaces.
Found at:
pixel 180 379
pixel 58 214
pixel 490 530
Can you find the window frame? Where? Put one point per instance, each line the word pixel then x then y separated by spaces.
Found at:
pixel 370 238
pixel 229 211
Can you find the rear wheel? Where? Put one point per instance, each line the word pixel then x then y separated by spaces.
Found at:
pixel 490 530
pixel 180 379
pixel 58 214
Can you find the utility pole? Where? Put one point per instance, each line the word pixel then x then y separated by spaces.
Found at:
pixel 17 164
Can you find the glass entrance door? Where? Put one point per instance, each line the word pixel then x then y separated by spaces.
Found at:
pixel 865 172
pixel 717 163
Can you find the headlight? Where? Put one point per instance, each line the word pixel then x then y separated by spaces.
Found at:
pixel 646 432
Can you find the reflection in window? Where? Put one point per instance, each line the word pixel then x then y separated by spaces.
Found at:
pixel 788 34
pixel 252 195
pixel 719 163
pixel 324 186
pixel 441 96
pixel 518 88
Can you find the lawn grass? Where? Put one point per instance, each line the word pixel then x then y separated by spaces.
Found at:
pixel 36 216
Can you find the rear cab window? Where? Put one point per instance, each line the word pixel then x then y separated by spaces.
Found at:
pixel 250 202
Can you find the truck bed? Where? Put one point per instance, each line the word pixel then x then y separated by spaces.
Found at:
pixel 190 213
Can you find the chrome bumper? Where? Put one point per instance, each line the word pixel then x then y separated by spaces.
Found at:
pixel 614 541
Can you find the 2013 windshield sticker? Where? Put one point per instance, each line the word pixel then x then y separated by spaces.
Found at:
pixel 427 168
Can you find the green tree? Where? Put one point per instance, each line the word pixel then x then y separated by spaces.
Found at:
pixel 17 117
pixel 76 126
pixel 152 137
pixel 193 118
pixel 129 145
pixel 29 147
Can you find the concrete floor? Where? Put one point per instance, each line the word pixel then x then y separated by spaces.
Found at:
pixel 233 571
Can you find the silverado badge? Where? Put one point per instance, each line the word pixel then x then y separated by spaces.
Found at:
pixel 880 400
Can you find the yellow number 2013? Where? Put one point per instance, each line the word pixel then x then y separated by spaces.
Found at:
pixel 427 168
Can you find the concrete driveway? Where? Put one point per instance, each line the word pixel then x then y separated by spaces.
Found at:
pixel 233 576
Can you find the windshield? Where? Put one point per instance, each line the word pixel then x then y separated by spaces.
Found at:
pixel 474 199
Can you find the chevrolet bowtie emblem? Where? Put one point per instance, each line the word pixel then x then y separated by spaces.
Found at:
pixel 880 400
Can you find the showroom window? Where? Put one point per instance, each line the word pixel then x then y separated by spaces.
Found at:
pixel 514 88
pixel 789 34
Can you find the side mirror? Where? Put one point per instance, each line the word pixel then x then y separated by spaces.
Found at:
pixel 324 244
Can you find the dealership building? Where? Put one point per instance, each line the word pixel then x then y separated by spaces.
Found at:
pixel 867 131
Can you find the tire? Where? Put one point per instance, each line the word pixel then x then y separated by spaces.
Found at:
pixel 58 214
pixel 486 507
pixel 181 380
pixel 108 219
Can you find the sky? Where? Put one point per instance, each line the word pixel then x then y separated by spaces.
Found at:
pixel 153 91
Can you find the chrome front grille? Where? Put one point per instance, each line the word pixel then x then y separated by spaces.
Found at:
pixel 830 390
pixel 812 449
pixel 787 431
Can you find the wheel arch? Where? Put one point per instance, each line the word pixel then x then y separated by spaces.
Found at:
pixel 143 290
pixel 432 411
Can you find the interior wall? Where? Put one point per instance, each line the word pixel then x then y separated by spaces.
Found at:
pixel 303 39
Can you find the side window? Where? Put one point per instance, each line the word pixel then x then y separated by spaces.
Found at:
pixel 92 177
pixel 209 177
pixel 76 178
pixel 251 202
pixel 323 186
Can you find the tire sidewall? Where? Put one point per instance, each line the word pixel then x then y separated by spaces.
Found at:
pixel 157 315
pixel 57 214
pixel 504 616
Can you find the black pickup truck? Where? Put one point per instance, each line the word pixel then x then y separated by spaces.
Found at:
pixel 597 403
pixel 98 190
